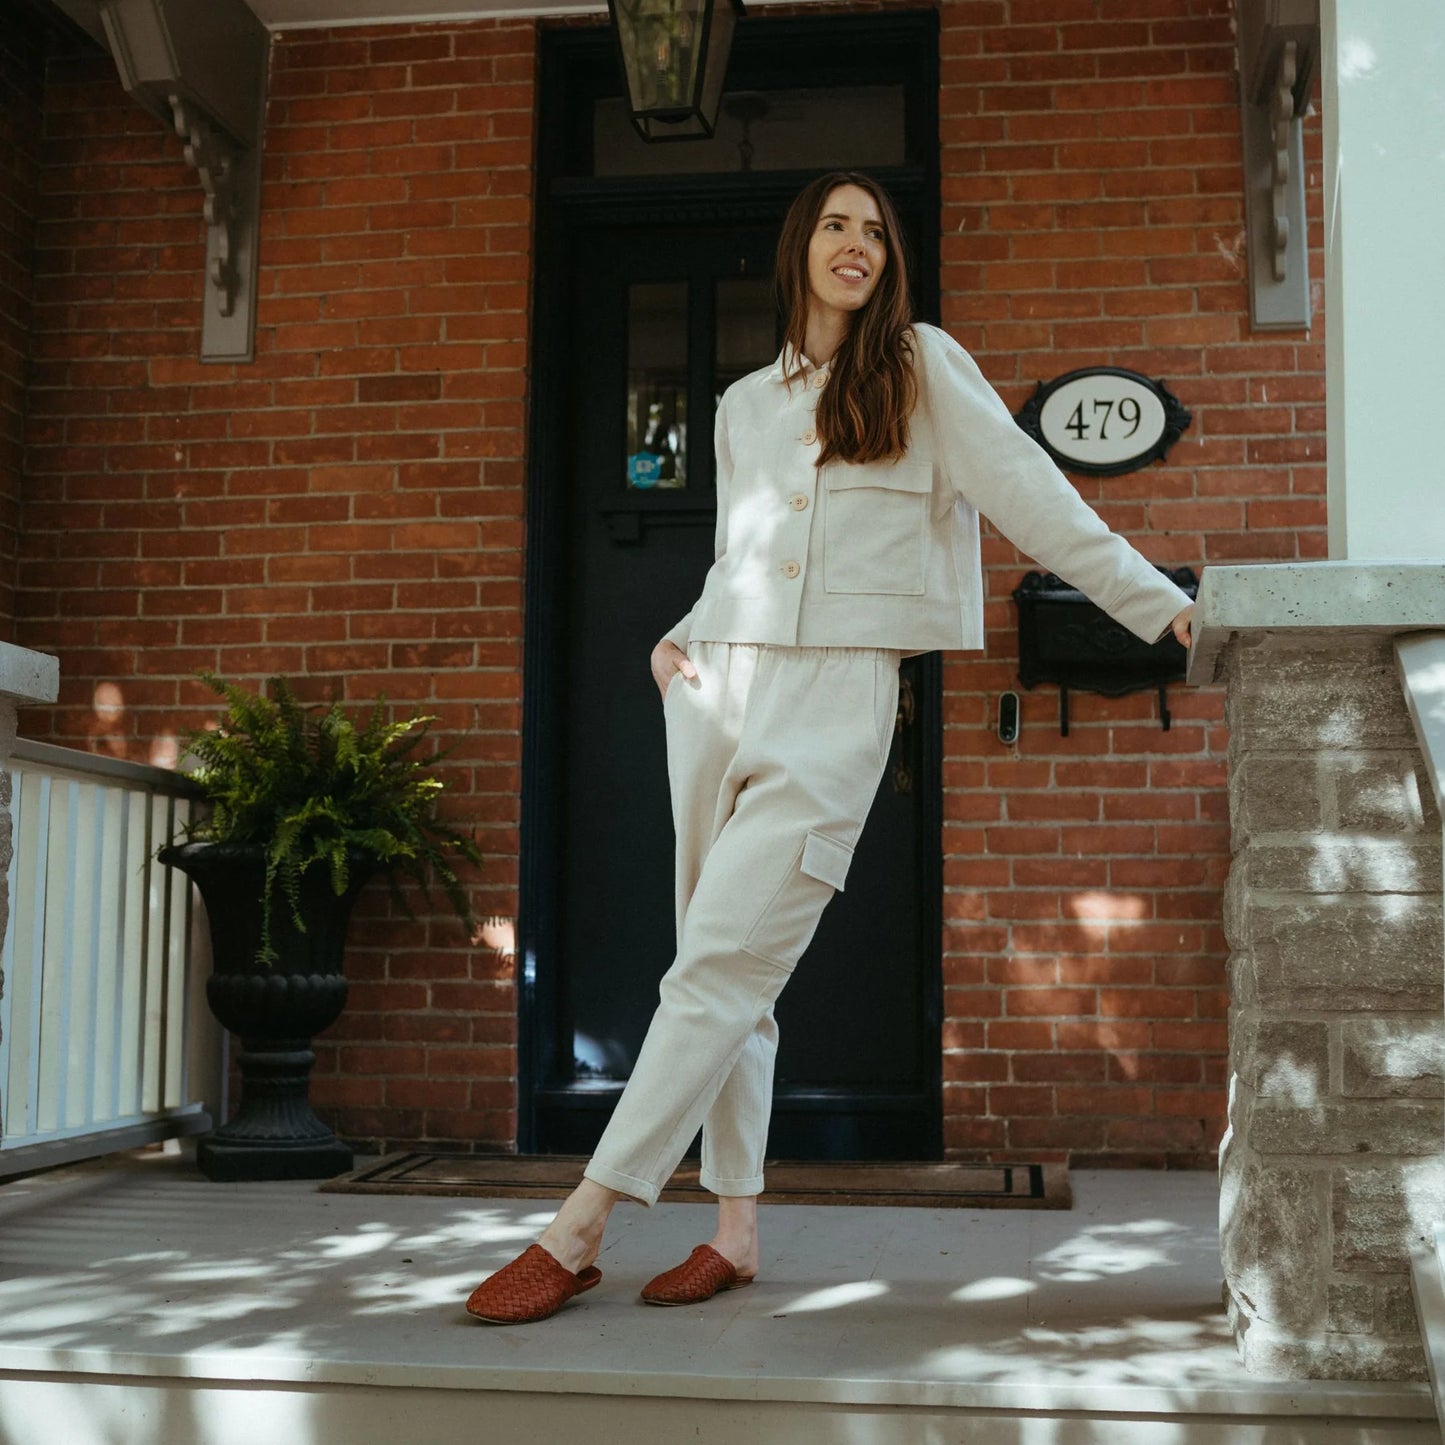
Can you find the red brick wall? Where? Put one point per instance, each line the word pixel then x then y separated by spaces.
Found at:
pixel 350 507
pixel 22 70
pixel 1093 213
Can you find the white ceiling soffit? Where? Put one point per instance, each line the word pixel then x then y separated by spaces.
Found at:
pixel 322 14
pixel 316 14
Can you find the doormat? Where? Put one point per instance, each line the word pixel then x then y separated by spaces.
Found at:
pixel 554 1176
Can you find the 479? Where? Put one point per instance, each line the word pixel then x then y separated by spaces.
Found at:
pixel 1128 413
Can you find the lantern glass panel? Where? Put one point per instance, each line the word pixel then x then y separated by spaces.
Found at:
pixel 719 47
pixel 662 43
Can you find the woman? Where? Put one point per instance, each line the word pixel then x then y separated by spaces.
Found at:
pixel 850 476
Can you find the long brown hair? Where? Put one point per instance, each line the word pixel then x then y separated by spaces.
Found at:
pixel 863 411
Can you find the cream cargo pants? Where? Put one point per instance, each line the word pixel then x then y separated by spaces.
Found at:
pixel 774 755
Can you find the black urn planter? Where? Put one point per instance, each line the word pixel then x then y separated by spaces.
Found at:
pixel 275 1011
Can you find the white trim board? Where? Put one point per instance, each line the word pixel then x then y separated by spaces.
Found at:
pixel 117 1411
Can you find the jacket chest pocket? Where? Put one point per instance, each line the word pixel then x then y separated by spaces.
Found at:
pixel 875 526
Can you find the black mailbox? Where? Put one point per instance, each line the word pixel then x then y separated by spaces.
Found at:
pixel 1064 638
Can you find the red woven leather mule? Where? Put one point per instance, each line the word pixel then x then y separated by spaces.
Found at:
pixel 700 1276
pixel 532 1287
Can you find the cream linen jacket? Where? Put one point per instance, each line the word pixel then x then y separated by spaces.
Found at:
pixel 886 554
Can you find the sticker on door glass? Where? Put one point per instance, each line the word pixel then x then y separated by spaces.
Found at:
pixel 657 380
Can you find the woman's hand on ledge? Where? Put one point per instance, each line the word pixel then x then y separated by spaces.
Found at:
pixel 667 658
pixel 1181 626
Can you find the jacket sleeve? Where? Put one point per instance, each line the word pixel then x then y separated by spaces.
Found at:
pixel 680 632
pixel 994 465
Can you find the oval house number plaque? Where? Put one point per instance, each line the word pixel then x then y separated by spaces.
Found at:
pixel 1103 420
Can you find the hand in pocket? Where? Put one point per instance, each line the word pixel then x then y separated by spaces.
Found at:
pixel 668 658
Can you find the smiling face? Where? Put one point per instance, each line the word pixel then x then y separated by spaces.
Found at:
pixel 848 250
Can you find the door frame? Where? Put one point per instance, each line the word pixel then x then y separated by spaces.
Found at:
pixel 577 66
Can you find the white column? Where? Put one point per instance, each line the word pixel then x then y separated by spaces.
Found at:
pixel 1383 76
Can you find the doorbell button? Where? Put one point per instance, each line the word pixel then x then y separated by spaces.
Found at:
pixel 1008 717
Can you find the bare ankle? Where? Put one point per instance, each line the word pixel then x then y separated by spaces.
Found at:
pixel 574 1236
pixel 737 1231
pixel 737 1214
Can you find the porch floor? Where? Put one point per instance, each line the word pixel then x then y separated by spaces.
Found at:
pixel 137 1299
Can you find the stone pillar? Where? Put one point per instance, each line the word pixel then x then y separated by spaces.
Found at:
pixel 25 677
pixel 1331 1170
pixel 1382 70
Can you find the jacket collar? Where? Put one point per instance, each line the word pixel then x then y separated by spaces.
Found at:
pixel 788 362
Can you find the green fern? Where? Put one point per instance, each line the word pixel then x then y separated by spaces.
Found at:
pixel 307 786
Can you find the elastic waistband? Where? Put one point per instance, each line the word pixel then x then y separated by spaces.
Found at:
pixel 792 650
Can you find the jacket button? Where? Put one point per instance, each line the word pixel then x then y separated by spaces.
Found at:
pixel 791 569
pixel 810 436
pixel 798 501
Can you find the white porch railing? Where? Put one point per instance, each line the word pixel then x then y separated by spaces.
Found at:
pixel 105 1038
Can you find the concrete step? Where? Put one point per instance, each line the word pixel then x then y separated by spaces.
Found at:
pixel 141 1304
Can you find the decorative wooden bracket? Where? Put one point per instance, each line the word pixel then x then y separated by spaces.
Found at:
pixel 1281 114
pixel 214 158
pixel 202 68
pixel 1279 44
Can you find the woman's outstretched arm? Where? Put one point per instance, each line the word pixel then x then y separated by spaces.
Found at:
pixel 994 465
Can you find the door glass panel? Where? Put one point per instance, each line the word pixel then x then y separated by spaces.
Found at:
pixel 656 385
pixel 852 127
pixel 746 328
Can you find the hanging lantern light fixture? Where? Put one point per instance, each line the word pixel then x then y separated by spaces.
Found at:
pixel 674 58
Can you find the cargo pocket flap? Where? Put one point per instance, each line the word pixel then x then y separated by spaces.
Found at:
pixel 826 858
pixel 902 476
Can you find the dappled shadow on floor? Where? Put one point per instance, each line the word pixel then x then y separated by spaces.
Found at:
pixel 163 1263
